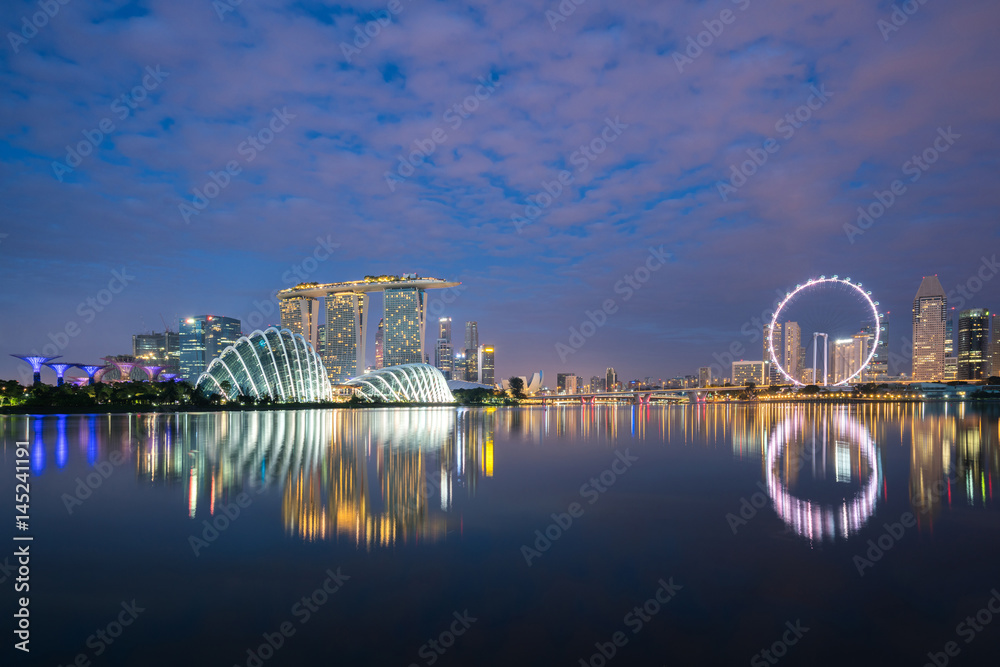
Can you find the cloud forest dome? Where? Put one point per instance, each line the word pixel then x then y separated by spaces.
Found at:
pixel 273 363
pixel 407 383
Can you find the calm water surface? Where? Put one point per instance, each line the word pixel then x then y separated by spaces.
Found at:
pixel 512 536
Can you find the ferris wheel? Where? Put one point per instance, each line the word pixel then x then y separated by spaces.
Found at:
pixel 812 313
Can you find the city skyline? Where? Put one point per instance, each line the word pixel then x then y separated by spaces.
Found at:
pixel 105 250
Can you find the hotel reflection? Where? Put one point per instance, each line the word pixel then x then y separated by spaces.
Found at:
pixel 372 477
pixel 385 476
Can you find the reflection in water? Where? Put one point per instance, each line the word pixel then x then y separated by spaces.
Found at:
pixel 805 438
pixel 382 476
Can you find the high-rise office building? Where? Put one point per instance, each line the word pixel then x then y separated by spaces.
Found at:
pixel 774 338
pixel 321 341
pixel 444 358
pixel 848 355
pixel 486 365
pixel 561 380
pixel 973 343
pixel 793 350
pixel 405 310
pixel 930 315
pixel 345 337
pixel 459 367
pixel 950 358
pixel 471 335
pixel 610 379
pixel 705 376
pixel 301 315
pixel 158 349
pixel 444 328
pixel 596 384
pixel 995 347
pixel 379 346
pixel 879 366
pixel 202 339
pixel 472 365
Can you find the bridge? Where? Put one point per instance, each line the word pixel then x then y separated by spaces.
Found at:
pixel 636 396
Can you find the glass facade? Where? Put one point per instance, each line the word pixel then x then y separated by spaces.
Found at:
pixel 973 344
pixel 202 338
pixel 301 315
pixel 408 383
pixel 404 326
pixel 930 316
pixel 345 339
pixel 486 365
pixel 272 363
pixel 161 349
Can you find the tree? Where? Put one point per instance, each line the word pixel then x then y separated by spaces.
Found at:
pixel 516 387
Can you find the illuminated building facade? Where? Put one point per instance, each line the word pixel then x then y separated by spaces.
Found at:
pixel 848 354
pixel 471 335
pixel 203 338
pixel 973 344
pixel 162 349
pixel 380 345
pixel 704 376
pixel 611 379
pixel 404 326
pixel 301 315
pixel 407 383
pixel 772 339
pixel 444 358
pixel 486 365
pixel 745 372
pixel 275 364
pixel 793 355
pixel 879 366
pixel 930 314
pixel 345 335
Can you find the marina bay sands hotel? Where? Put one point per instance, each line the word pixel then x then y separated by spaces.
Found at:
pixel 341 339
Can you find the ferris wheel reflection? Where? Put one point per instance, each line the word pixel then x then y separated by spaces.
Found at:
pixel 836 441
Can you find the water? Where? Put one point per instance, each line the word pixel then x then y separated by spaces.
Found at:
pixel 862 535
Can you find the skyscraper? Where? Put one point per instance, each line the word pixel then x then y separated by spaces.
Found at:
pixel 405 310
pixel 444 358
pixel 459 368
pixel 202 339
pixel 301 315
pixel 704 376
pixel 950 358
pixel 930 314
pixel 471 365
pixel 610 378
pixel 345 340
pixel 471 335
pixel 444 328
pixel 486 364
pixel 158 349
pixel 774 337
pixel 995 348
pixel 879 366
pixel 848 355
pixel 973 343
pixel 596 384
pixel 379 346
pixel 793 350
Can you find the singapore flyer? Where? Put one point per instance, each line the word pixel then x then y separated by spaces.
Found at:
pixel 827 331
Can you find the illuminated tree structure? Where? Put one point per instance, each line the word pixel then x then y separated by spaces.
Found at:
pixel 36 363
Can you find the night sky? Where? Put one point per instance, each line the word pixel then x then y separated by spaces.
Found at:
pixel 581 140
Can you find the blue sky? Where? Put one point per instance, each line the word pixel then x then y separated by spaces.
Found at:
pixel 579 141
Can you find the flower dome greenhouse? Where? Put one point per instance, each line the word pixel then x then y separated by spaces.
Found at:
pixel 408 383
pixel 272 363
